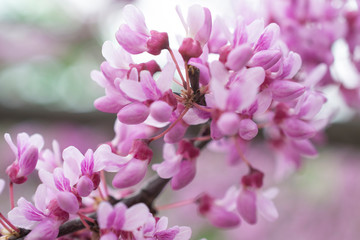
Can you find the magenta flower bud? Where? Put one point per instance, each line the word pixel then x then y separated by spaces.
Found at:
pixel 286 90
pixel 152 67
pixel 253 179
pixel 68 202
pixel 238 57
pixel 246 205
pixel 157 42
pixel 228 123
pixel 190 48
pixel 186 174
pixel 140 149
pixel 298 129
pixel 265 59
pixel 134 113
pixel 161 111
pixel 248 129
pixel 84 186
pixel 188 150
pixel 131 174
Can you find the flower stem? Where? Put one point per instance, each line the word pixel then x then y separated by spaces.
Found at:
pixel 170 127
pixel 241 154
pixel 177 66
pixel 11 190
pixel 8 223
pixel 178 204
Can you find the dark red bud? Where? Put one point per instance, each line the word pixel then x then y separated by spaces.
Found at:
pixel 190 48
pixel 157 42
pixel 188 150
pixel 141 150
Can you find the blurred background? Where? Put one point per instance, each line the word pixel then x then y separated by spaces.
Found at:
pixel 47 51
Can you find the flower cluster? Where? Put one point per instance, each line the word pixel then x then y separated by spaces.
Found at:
pixel 231 81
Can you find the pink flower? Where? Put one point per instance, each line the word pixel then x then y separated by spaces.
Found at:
pixel 198 29
pixel 132 168
pixel 43 219
pixel 27 155
pixel 219 212
pixel 135 37
pixel 180 166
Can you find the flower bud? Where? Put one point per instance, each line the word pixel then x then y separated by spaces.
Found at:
pixel 190 48
pixel 134 113
pixel 248 129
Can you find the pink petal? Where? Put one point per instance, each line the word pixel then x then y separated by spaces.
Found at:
pixel 149 86
pixel 184 234
pixel 135 19
pixel 185 175
pixel 120 218
pixel 267 208
pixel 238 57
pixel 133 89
pixel 246 205
pixel 109 236
pixel 45 230
pixel 17 218
pixel 161 111
pixel 195 19
pixel 132 41
pixel 84 186
pixel 221 218
pixel 215 131
pixel 195 117
pixel 131 174
pixel 107 104
pixel 103 212
pixel 134 113
pixel 268 37
pixel 11 144
pixel 67 202
pixel 135 217
pixel 265 59
pixel 203 33
pixel 248 129
pixel 286 90
pixel 176 133
pixel 29 211
pixel 169 167
pixel 61 182
pixel 117 57
pixel 228 123
pixel 291 65
pixel 305 147
pixel 28 160
pixel 298 129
